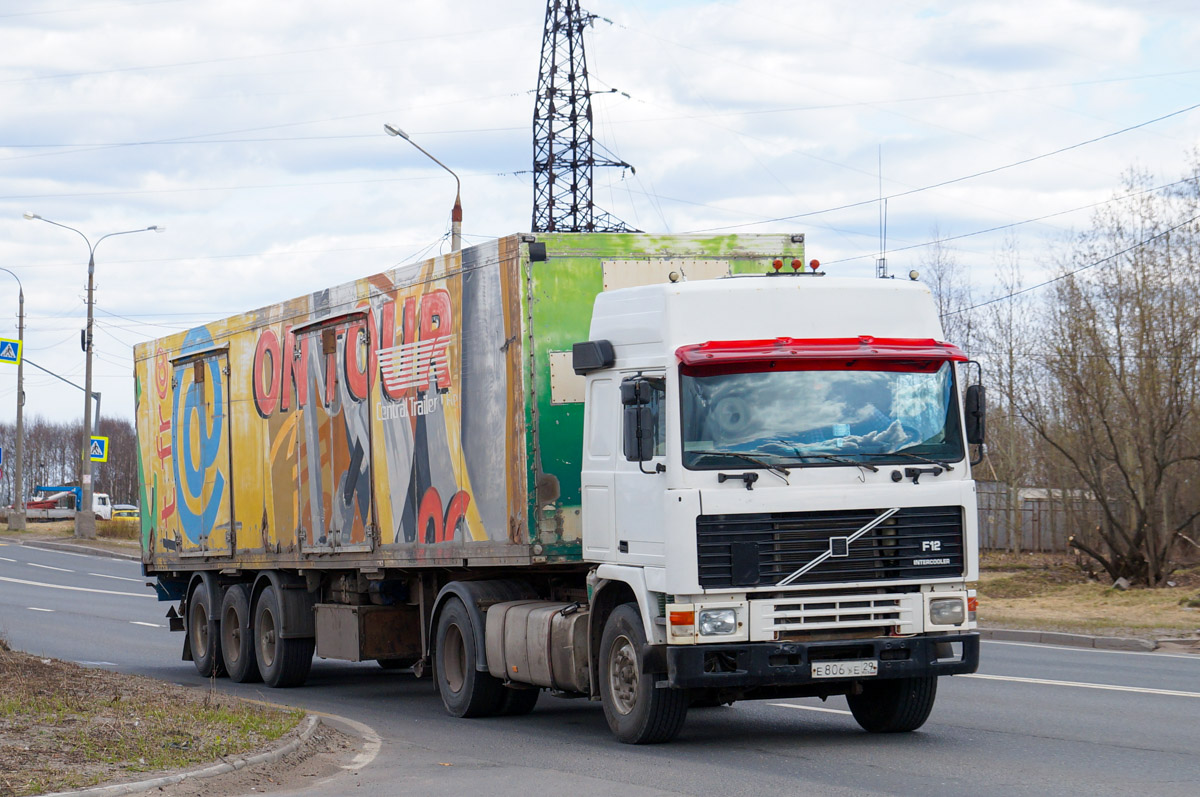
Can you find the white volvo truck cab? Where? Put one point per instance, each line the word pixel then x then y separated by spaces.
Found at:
pixel 777 469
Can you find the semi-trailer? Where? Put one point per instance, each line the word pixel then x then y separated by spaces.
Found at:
pixel 650 470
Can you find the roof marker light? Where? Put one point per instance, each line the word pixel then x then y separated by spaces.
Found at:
pixel 796 264
pixel 777 264
pixel 814 264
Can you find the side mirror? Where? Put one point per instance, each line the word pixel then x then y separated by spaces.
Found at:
pixel 976 414
pixel 639 433
pixel 636 394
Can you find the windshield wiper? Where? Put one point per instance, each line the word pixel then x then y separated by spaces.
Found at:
pixel 836 458
pixel 831 457
pixel 907 455
pixel 778 470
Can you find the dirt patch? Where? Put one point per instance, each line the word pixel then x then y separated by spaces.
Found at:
pixel 63 726
pixel 1055 592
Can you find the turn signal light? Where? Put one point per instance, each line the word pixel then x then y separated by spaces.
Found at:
pixel 683 618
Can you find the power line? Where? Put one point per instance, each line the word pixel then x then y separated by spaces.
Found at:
pixel 1074 271
pixel 954 180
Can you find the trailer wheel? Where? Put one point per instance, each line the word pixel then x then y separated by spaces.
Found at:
pixel 465 691
pixel 204 633
pixel 517 702
pixel 896 705
pixel 237 635
pixel 637 711
pixel 282 662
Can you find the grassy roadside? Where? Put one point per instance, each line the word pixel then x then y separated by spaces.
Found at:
pixel 63 726
pixel 1049 592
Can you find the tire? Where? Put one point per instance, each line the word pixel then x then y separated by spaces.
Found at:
pixel 897 705
pixel 465 691
pixel 204 633
pixel 282 662
pixel 637 712
pixel 237 636
pixel 518 702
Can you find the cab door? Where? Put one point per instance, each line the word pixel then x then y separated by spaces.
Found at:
pixel 333 448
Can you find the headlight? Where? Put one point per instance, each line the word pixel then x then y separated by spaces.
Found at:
pixel 947 611
pixel 718 622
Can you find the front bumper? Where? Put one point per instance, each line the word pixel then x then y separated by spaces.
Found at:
pixel 783 664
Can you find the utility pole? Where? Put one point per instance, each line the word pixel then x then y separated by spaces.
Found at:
pixel 563 161
pixel 16 518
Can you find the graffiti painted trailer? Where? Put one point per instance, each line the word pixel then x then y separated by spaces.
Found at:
pixel 650 470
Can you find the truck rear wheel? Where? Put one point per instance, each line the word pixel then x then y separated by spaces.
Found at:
pixel 282 662
pixel 636 710
pixel 204 632
pixel 237 635
pixel 465 691
pixel 897 705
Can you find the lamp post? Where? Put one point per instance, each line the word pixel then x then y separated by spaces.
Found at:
pixel 85 518
pixel 456 213
pixel 16 522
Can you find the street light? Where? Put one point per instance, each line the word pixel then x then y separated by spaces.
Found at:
pixel 17 523
pixel 456 213
pixel 85 518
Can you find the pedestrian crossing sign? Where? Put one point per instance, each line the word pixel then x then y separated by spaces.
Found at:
pixel 10 351
pixel 99 449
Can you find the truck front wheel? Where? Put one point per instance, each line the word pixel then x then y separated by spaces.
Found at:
pixel 465 691
pixel 637 711
pixel 282 662
pixel 204 632
pixel 896 705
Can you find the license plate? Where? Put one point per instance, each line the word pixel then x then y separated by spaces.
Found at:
pixel 845 669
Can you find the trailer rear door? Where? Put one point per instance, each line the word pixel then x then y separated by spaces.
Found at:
pixel 333 448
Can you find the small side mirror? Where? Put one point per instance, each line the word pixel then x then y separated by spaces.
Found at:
pixel 976 414
pixel 635 391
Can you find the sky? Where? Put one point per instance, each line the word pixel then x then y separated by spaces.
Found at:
pixel 252 131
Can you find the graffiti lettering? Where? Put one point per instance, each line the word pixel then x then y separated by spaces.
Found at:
pixel 418 362
pixel 414 407
pixel 267 367
pixel 432 526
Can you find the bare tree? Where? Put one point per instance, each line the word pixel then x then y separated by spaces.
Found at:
pixel 1116 399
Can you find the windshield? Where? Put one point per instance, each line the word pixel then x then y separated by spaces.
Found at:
pixel 820 417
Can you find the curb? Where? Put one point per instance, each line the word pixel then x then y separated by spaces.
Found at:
pixel 1069 640
pixel 67 547
pixel 309 726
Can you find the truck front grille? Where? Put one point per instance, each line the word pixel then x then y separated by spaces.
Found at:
pixel 762 549
pixel 815 613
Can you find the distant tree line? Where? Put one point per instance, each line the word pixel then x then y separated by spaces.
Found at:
pixel 1094 379
pixel 54 453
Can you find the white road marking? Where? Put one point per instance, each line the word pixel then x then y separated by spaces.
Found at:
pixel 1144 690
pixel 151 625
pixel 48 567
pixel 118 578
pixel 76 589
pixel 6 559
pixel 1153 653
pixel 812 708
pixel 97 663
pixel 36 609
pixel 57 552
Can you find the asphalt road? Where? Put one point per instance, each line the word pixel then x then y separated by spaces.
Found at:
pixel 1035 720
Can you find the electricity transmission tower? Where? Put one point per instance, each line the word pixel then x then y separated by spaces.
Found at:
pixel 563 160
